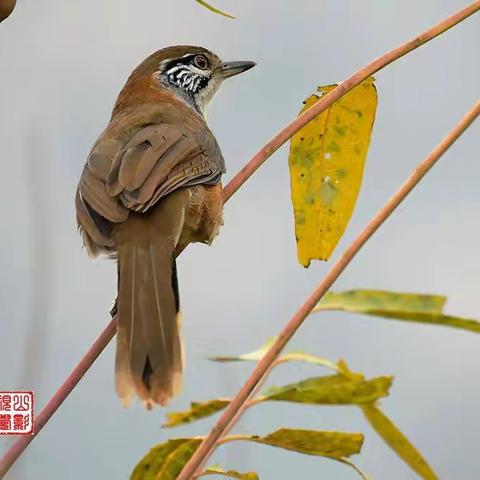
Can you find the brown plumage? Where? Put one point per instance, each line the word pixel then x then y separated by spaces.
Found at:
pixel 150 183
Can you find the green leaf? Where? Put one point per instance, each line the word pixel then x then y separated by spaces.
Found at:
pixel 151 464
pixel 351 389
pixel 214 9
pixel 398 441
pixel 196 412
pixel 409 307
pixel 216 470
pixel 331 390
pixel 177 459
pixel 314 442
pixel 166 461
pixel 251 356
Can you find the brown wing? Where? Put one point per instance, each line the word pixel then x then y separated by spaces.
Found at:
pixel 135 173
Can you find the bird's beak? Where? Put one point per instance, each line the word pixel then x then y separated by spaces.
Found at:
pixel 229 69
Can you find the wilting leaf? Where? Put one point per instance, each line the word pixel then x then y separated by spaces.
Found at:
pixel 409 307
pixel 216 470
pixel 326 161
pixel 251 356
pixel 314 442
pixel 197 411
pixel 214 9
pixel 331 390
pixel 6 8
pixel 398 441
pixel 287 357
pixel 149 467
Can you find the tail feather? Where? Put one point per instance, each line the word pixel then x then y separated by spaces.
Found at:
pixel 149 360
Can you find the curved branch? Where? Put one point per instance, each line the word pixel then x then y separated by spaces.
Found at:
pixel 242 176
pixel 358 77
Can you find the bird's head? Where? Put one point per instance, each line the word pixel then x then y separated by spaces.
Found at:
pixel 192 73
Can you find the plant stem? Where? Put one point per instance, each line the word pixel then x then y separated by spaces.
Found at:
pixel 60 395
pixel 237 404
pixel 358 77
pixel 234 185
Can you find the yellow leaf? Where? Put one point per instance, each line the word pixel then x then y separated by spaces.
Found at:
pixel 352 465
pixel 255 355
pixel 326 161
pixel 214 9
pixel 258 354
pixel 331 390
pixel 408 307
pixel 308 358
pixel 314 442
pixel 216 470
pixel 398 441
pixel 196 412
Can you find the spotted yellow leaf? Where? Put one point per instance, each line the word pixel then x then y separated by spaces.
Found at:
pixel 326 161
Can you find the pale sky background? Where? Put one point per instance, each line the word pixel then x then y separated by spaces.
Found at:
pixel 62 63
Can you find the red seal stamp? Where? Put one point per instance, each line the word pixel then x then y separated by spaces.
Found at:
pixel 16 413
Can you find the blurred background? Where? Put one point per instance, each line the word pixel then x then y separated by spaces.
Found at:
pixel 62 64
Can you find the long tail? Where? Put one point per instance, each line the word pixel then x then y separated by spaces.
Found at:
pixel 149 348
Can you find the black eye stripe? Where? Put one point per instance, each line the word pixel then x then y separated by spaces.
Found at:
pixel 186 60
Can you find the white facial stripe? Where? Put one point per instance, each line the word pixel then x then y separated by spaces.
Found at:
pixel 200 85
pixel 187 77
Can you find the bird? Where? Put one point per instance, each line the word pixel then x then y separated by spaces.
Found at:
pixel 151 185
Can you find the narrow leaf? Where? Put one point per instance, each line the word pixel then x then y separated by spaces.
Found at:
pixel 326 162
pixel 314 442
pixel 257 355
pixel 214 9
pixel 331 390
pixel 196 412
pixel 307 358
pixel 251 356
pixel 352 465
pixel 151 463
pixel 408 307
pixel 216 470
pixel 398 441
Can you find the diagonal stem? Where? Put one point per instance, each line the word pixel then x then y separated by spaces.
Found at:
pixel 240 178
pixel 237 404
pixel 358 77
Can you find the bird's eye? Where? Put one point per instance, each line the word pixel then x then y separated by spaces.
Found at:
pixel 201 62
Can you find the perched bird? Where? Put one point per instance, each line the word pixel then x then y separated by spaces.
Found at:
pixel 150 185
